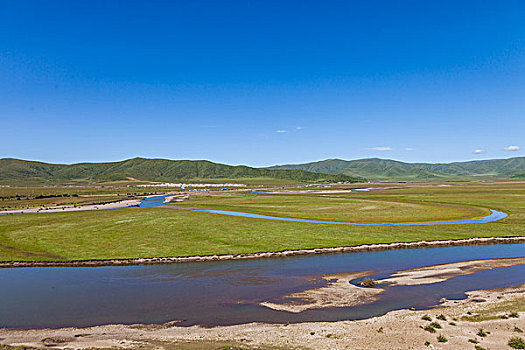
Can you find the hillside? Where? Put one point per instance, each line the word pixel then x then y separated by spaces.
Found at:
pixel 16 171
pixel 386 169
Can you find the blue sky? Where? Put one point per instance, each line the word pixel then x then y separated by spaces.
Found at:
pixel 262 82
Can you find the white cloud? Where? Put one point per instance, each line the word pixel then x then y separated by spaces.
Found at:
pixel 299 127
pixel 478 151
pixel 409 149
pixel 512 148
pixel 281 131
pixel 380 149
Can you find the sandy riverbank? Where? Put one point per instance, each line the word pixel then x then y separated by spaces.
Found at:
pixel 400 329
pixel 441 273
pixel 68 208
pixel 339 292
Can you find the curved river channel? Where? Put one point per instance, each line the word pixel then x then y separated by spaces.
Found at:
pixel 494 215
pixel 230 292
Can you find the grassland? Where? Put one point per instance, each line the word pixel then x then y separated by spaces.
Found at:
pixel 149 232
pixel 341 207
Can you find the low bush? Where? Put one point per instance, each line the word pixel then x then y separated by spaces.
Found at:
pixel 435 325
pixel 442 339
pixel 429 329
pixel 481 333
pixel 367 283
pixel 516 343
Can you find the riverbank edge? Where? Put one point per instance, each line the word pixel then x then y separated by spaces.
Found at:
pixel 397 329
pixel 258 255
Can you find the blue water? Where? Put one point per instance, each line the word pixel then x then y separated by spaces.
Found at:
pixel 158 201
pixel 229 292
pixel 494 216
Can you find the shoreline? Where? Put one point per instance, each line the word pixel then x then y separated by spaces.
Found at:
pixel 459 321
pixel 126 203
pixel 259 255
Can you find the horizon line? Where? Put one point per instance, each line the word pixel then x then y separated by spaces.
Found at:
pixel 258 167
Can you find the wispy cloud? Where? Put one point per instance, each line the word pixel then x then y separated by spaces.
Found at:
pixel 281 131
pixel 299 127
pixel 380 149
pixel 512 148
pixel 478 151
pixel 409 149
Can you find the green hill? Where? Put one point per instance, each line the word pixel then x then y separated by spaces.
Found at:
pixel 17 171
pixel 386 169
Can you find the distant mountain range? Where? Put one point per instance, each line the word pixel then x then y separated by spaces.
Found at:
pixel 386 169
pixel 14 171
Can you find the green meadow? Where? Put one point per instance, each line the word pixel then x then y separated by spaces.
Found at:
pixel 153 232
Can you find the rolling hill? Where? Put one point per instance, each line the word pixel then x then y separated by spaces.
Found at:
pixel 20 171
pixel 386 169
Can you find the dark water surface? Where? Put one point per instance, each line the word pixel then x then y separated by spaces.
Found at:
pixel 228 292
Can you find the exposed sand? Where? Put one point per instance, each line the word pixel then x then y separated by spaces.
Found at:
pixel 395 330
pixel 66 208
pixel 176 198
pixel 338 293
pixel 440 273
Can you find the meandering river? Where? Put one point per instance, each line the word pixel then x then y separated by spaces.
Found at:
pixel 494 215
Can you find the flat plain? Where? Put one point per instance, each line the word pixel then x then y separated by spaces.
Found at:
pixel 159 232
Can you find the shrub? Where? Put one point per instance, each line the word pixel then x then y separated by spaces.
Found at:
pixel 481 333
pixel 517 330
pixel 441 317
pixel 427 343
pixel 452 323
pixel 478 347
pixel 516 343
pixel 429 329
pixel 514 315
pixel 426 318
pixel 435 325
pixel 367 283
pixel 473 341
pixel 442 339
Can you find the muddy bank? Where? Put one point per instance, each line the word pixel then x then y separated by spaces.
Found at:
pixel 402 329
pixel 285 253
